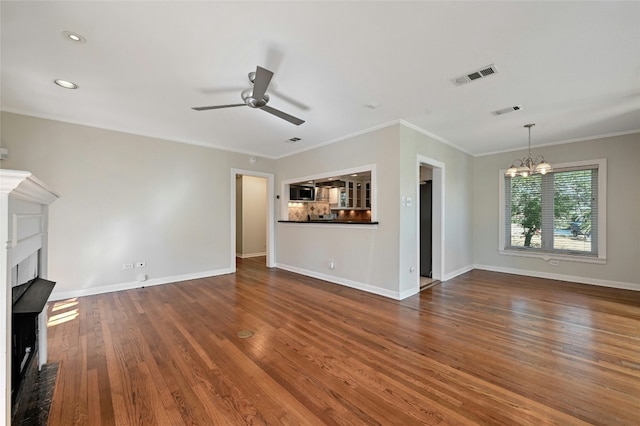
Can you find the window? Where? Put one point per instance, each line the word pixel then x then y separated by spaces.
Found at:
pixel 560 214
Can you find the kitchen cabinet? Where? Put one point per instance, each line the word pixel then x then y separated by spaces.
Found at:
pixel 355 195
pixel 367 194
pixel 334 196
pixel 342 200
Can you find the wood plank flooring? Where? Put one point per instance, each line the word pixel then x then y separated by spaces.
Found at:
pixel 484 348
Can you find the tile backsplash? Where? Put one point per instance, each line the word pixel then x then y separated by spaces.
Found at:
pixel 301 211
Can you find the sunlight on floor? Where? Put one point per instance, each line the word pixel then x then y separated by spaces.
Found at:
pixel 67 314
pixel 64 304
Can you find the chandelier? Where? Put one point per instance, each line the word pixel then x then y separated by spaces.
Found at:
pixel 528 166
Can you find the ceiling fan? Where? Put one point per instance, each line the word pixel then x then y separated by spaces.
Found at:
pixel 257 97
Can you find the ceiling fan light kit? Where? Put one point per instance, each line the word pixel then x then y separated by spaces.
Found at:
pixel 528 166
pixel 256 97
pixel 252 101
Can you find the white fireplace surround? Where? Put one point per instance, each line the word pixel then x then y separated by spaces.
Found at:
pixel 24 214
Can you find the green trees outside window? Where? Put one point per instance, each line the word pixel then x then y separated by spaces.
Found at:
pixel 552 212
pixel 526 207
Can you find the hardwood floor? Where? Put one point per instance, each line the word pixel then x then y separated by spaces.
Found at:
pixel 484 348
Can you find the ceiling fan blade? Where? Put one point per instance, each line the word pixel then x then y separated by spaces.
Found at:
pixel 261 82
pixel 288 99
pixel 283 115
pixel 217 107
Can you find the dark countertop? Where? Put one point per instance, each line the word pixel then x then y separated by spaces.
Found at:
pixel 349 222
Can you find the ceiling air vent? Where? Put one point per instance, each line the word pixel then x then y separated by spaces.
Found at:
pixel 506 110
pixel 475 75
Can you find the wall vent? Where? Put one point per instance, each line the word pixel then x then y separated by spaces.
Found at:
pixel 507 110
pixel 475 75
pixel 293 140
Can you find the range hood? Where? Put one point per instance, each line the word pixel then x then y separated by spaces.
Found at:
pixel 332 184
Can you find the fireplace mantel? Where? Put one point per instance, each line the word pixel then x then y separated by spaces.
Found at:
pixel 24 200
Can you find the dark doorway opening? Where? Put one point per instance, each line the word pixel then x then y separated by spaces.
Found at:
pixel 426 227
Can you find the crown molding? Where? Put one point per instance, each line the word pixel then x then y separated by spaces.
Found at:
pixel 24 185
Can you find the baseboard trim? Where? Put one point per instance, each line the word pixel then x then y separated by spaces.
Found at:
pixel 348 283
pixel 248 255
pixel 61 295
pixel 561 277
pixel 408 293
pixel 457 272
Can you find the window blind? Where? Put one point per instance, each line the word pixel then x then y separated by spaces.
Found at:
pixel 556 212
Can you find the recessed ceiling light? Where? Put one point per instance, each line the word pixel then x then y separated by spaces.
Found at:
pixel 66 84
pixel 74 37
pixel 354 175
pixel 371 105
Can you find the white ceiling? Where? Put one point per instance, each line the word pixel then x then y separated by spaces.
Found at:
pixel 573 66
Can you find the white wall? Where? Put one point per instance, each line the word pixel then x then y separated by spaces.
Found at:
pixel 381 260
pixel 458 200
pixel 366 257
pixel 127 198
pixel 623 212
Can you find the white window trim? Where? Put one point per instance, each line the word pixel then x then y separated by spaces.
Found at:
pixel 602 219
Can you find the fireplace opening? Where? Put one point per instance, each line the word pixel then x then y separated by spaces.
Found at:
pixel 29 298
pixel 24 338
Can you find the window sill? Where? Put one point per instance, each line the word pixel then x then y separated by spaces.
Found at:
pixel 553 256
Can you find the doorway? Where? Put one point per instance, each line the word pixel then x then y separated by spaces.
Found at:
pixel 252 216
pixel 430 222
pixel 426 226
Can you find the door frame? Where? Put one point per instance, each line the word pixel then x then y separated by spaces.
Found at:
pixel 437 218
pixel 271 262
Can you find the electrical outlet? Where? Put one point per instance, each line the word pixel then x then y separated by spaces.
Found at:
pixel 127 266
pixel 141 264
